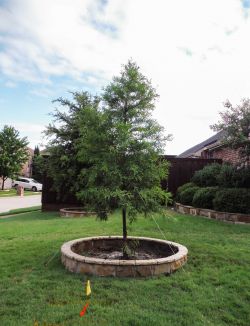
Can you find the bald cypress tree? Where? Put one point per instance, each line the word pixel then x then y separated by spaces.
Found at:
pixel 122 145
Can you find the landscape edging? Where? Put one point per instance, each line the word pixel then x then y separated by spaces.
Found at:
pixel 236 218
pixel 118 267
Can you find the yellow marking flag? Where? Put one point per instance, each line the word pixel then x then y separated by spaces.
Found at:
pixel 88 289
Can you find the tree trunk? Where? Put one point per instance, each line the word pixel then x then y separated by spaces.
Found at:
pixel 124 224
pixel 3 183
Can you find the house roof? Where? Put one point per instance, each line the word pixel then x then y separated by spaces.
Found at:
pixel 191 151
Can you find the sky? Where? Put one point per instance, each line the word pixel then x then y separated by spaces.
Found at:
pixel 196 53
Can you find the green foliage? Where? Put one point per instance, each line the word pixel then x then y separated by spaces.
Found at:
pixel 203 198
pixel 234 200
pixel 222 175
pixel 122 146
pixel 207 177
pixel 64 133
pixel 182 188
pixel 186 186
pixel 36 151
pixel 242 178
pixel 226 176
pixel 235 122
pixel 217 182
pixel 187 195
pixel 38 167
pixel 13 153
pixel 109 155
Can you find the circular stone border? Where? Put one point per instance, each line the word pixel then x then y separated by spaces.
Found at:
pixel 122 268
pixel 75 212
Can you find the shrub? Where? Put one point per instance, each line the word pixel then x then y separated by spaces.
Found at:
pixel 226 176
pixel 203 198
pixel 242 178
pixel 207 177
pixel 233 200
pixel 182 188
pixel 186 196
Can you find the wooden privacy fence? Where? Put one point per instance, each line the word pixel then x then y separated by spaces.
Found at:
pixel 181 171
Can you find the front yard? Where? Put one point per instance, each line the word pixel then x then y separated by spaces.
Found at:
pixel 212 289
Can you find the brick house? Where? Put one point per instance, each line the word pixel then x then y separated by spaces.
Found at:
pixel 212 148
pixel 27 167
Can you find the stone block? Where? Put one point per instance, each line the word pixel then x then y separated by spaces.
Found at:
pixel 145 270
pixel 204 212
pixel 105 270
pixel 221 216
pixel 85 268
pixel 177 264
pixel 193 211
pixel 71 265
pixel 125 271
pixel 232 217
pixel 186 209
pixel 162 269
pixel 243 218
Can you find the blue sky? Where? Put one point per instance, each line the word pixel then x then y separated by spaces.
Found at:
pixel 246 4
pixel 196 52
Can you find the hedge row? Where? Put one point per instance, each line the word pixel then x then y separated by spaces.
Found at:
pixel 222 175
pixel 232 200
pixel 219 187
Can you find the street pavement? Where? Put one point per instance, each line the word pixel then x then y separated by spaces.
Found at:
pixel 6 204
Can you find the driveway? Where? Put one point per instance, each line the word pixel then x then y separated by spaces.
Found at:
pixel 9 203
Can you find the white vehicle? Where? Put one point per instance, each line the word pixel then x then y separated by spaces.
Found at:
pixel 27 183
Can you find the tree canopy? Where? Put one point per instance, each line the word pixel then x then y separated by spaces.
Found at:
pixel 64 134
pixel 235 122
pixel 123 149
pixel 13 153
pixel 110 148
pixel 36 151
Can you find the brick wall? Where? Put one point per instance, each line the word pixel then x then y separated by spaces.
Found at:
pixel 226 154
pixel 26 170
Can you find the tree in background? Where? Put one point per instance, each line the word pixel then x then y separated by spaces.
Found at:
pixel 38 165
pixel 64 133
pixel 36 151
pixel 13 153
pixel 122 146
pixel 235 122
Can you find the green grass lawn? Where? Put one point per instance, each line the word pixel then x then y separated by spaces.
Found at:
pixel 20 211
pixel 12 192
pixel 212 289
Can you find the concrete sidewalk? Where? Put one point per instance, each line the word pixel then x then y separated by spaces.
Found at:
pixel 6 204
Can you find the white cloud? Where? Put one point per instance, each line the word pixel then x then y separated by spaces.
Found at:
pixel 196 52
pixel 10 84
pixel 32 131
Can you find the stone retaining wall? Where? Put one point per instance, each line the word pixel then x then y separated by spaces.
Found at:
pixel 236 218
pixel 121 268
pixel 75 212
